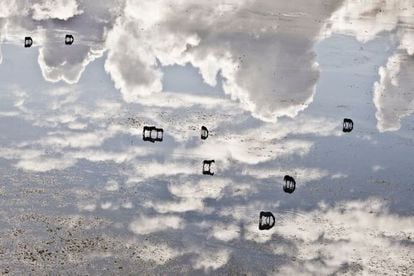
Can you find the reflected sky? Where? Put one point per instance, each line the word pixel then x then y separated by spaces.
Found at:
pixel 82 193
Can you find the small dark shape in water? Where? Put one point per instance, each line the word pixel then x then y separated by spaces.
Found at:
pixel 348 125
pixel 207 167
pixel 69 39
pixel 204 133
pixel 290 184
pixel 152 134
pixel 266 221
pixel 28 41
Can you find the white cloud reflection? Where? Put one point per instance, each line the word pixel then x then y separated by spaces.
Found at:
pixel 351 235
pixel 149 224
pixel 252 53
pixel 47 22
pixel 393 96
pixel 212 260
pixel 55 9
pixel 264 52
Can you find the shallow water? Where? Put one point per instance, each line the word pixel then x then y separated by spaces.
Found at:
pixel 82 193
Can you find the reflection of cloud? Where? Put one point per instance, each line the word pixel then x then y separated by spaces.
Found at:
pixel 254 234
pixel 212 188
pixel 48 21
pixel 35 160
pixel 62 96
pixel 328 240
pixel 112 186
pixel 147 225
pixel 68 129
pixel 10 8
pixel 307 236
pixel 104 155
pixel 184 205
pixel 67 67
pixel 352 234
pixel 89 207
pixel 366 19
pixel 211 259
pixel 156 169
pixel 251 43
pixel 44 164
pixel 132 68
pixel 62 62
pixel 58 9
pixel 181 100
pixel 254 45
pixel 267 141
pixel 183 123
pixel 77 140
pixel 106 205
pixel 2 30
pixel 377 168
pixel 41 161
pixel 225 232
pixel 250 151
pixel 393 95
pixel 248 214
pixel 159 253
pixel 192 194
pixel 302 175
pixel 339 176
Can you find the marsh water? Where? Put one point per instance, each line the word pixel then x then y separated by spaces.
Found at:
pixel 82 193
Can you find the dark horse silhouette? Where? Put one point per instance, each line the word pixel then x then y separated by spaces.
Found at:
pixel 290 184
pixel 207 167
pixel 69 39
pixel 152 134
pixel 266 221
pixel 28 41
pixel 204 133
pixel 348 125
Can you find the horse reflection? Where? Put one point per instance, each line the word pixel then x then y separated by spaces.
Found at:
pixel 204 133
pixel 207 167
pixel 152 134
pixel 266 221
pixel 290 184
pixel 28 41
pixel 69 39
pixel 348 125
